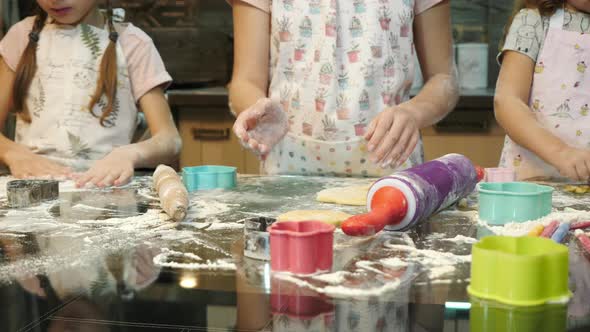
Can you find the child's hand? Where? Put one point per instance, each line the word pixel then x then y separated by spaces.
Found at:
pixel 116 169
pixel 25 164
pixel 261 126
pixel 392 136
pixel 573 163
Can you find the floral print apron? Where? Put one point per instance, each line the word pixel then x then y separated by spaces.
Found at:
pixel 560 98
pixel 335 65
pixel 62 127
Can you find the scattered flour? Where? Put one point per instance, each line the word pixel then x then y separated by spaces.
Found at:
pixel 162 260
pixel 214 226
pixel 367 265
pixel 438 264
pixel 201 209
pixel 88 207
pixel 461 239
pixel 393 262
pixel 340 291
pixel 568 215
pixel 332 278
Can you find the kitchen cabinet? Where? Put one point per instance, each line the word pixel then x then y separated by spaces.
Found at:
pixel 470 129
pixel 205 125
pixel 483 148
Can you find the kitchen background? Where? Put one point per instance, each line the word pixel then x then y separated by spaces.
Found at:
pixel 195 40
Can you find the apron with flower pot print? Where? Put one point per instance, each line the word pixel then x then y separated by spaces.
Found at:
pixel 62 127
pixel 560 98
pixel 337 64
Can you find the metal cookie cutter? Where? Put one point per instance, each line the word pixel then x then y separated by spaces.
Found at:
pixel 24 193
pixel 256 238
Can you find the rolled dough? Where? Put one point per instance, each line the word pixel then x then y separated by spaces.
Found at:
pixel 354 195
pixel 330 217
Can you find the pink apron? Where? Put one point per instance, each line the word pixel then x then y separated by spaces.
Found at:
pixel 559 98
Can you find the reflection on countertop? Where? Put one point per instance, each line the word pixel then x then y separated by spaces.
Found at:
pixel 98 259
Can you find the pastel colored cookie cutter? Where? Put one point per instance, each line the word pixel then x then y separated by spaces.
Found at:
pixel 288 298
pixel 504 202
pixel 302 247
pixel 491 316
pixel 499 175
pixel 519 271
pixel 25 193
pixel 257 238
pixel 209 177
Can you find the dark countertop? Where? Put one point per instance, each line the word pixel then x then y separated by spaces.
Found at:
pixel 476 100
pixel 105 260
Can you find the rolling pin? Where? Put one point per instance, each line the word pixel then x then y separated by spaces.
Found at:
pixel 406 198
pixel 171 191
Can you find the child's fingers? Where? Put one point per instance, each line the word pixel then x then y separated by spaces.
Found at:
pixel 380 132
pixel 409 148
pixel 84 179
pixel 124 178
pixel 582 171
pixel 388 143
pixel 263 149
pixel 108 180
pixel 253 144
pixel 98 178
pixel 371 129
pixel 240 130
pixel 399 146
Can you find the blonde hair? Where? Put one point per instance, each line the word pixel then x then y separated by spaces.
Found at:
pixel 107 77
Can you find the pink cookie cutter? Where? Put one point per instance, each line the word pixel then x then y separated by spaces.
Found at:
pixel 290 299
pixel 499 175
pixel 301 247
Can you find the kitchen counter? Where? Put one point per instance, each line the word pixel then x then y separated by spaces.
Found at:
pixel 107 260
pixel 472 100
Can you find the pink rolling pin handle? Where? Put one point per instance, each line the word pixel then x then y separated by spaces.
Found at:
pixel 548 231
pixel 580 225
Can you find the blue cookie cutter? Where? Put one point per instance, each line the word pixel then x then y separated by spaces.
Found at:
pixel 209 177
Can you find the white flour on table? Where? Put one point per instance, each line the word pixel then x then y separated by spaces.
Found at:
pixel 568 215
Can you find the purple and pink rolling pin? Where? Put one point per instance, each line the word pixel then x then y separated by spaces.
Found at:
pixel 406 198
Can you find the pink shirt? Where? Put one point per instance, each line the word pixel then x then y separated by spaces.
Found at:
pixel 146 68
pixel 420 6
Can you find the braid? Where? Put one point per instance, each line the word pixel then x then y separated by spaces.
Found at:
pixel 107 77
pixel 27 68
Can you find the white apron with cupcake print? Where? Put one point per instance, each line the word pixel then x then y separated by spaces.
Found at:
pixel 335 65
pixel 559 99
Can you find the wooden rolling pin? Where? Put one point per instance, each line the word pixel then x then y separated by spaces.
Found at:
pixel 171 191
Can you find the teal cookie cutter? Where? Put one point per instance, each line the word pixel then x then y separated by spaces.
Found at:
pixel 209 177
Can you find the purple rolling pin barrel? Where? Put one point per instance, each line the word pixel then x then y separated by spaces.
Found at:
pixel 435 185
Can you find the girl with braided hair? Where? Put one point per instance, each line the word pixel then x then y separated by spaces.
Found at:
pixel 76 80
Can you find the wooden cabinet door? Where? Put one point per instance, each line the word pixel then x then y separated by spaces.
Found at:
pixel 208 139
pixel 482 147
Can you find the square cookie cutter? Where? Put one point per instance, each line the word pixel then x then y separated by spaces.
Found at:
pixel 25 193
pixel 257 238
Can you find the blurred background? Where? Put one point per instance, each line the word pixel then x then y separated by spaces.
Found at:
pixel 195 40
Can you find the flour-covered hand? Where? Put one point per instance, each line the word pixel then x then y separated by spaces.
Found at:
pixel 116 169
pixel 25 164
pixel 261 126
pixel 392 136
